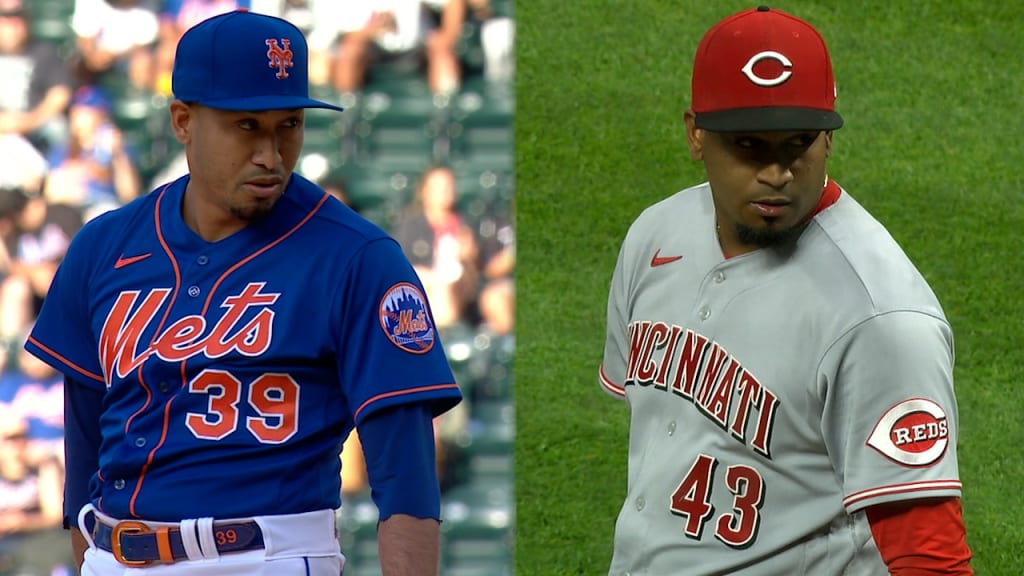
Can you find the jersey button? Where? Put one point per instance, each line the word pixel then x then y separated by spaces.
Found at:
pixel 140 441
pixel 719 277
pixel 705 313
pixel 640 503
pixel 671 427
pixel 193 291
pixel 164 387
pixel 119 484
pixel 202 260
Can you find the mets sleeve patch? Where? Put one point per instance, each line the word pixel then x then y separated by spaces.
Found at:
pixel 405 319
pixel 913 433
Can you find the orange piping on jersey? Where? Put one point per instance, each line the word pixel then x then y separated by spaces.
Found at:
pixel 174 264
pixel 170 305
pixel 78 368
pixel 149 397
pixel 167 312
pixel 901 489
pixel 149 460
pixel 401 392
pixel 608 385
pixel 209 297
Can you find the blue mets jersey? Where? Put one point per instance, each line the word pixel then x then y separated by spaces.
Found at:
pixel 232 371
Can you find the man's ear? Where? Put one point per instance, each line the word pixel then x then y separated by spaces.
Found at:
pixel 828 143
pixel 182 118
pixel 694 135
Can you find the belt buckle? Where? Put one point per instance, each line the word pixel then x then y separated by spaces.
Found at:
pixel 127 527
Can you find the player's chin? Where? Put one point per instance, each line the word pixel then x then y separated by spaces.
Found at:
pixel 253 212
pixel 767 231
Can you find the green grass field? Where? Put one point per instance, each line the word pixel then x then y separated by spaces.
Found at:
pixel 930 92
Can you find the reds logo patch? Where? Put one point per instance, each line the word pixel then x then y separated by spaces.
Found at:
pixel 913 433
pixel 405 319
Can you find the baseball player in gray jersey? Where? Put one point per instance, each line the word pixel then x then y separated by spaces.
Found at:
pixel 788 370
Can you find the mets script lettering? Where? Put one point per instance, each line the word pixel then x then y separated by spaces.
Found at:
pixel 133 312
pixel 280 58
pixel 407 324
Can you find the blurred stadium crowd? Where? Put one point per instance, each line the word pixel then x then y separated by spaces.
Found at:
pixel 424 149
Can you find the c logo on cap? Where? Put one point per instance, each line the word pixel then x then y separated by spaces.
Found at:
pixel 748 68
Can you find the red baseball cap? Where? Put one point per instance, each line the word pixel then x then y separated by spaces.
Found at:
pixel 763 70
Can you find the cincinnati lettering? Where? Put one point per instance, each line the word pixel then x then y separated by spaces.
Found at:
pixel 694 368
pixel 133 312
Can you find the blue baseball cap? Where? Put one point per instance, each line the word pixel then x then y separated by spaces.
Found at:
pixel 242 60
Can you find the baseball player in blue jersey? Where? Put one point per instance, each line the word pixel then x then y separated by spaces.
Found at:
pixel 788 371
pixel 222 335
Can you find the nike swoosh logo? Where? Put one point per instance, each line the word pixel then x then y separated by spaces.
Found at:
pixel 662 260
pixel 122 261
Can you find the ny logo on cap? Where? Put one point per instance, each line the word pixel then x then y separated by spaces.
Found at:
pixel 748 68
pixel 280 58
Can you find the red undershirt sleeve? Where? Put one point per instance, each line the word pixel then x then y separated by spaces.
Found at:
pixel 921 537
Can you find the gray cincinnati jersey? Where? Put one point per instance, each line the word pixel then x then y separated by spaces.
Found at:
pixel 773 395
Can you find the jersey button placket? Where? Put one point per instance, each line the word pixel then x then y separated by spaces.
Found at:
pixel 202 260
pixel 640 503
pixel 119 484
pixel 719 277
pixel 671 427
pixel 704 313
pixel 194 291
pixel 140 442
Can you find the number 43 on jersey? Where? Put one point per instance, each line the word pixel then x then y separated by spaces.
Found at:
pixel 692 501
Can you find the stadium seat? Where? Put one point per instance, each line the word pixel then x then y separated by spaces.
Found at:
pixel 486 567
pixel 357 529
pixel 377 192
pixel 145 125
pixel 492 368
pixel 489 449
pixel 482 192
pixel 398 126
pixel 480 130
pixel 363 568
pixel 460 349
pixel 51 22
pixel 469 50
pixel 476 527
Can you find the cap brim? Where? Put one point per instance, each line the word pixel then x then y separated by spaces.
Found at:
pixel 261 103
pixel 768 119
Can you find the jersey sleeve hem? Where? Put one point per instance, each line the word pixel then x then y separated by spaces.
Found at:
pixel 66 366
pixel 608 386
pixel 441 397
pixel 897 492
